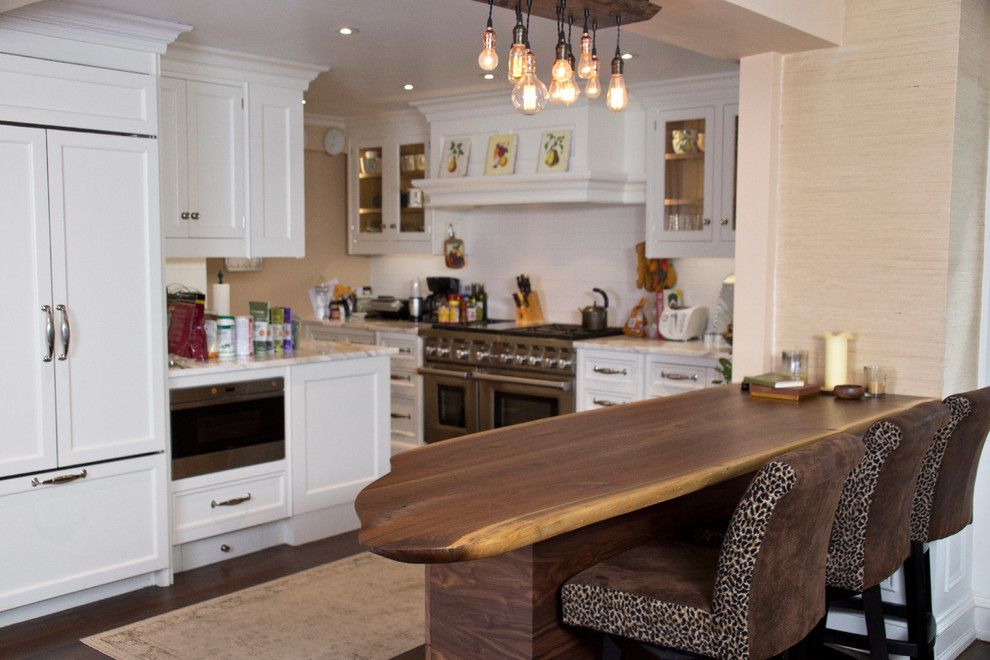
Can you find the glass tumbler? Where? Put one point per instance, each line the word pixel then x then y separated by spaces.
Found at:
pixel 795 364
pixel 875 380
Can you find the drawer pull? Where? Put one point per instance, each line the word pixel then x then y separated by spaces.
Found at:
pixel 61 479
pixel 401 416
pixel 604 402
pixel 673 375
pixel 400 377
pixel 405 350
pixel 608 371
pixel 234 501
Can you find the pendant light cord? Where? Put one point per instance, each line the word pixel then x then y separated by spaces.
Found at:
pixel 594 37
pixel 618 34
pixel 529 14
pixel 587 12
pixel 490 4
pixel 570 28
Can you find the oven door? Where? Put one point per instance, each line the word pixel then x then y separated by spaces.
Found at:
pixel 450 403
pixel 507 399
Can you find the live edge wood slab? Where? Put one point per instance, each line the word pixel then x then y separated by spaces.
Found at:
pixel 535 503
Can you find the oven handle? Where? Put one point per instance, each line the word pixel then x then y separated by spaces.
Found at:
pixel 429 371
pixel 220 400
pixel 516 380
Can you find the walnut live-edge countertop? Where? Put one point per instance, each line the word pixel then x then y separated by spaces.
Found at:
pixel 493 492
pixel 325 351
pixel 694 348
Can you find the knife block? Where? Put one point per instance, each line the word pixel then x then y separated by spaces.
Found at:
pixel 531 313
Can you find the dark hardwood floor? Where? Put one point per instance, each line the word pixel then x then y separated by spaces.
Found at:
pixel 57 636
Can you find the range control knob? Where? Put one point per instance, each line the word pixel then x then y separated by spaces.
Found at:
pixel 462 353
pixel 565 363
pixel 506 358
pixel 549 362
pixel 443 351
pixel 520 360
pixel 431 351
pixel 481 355
pixel 535 360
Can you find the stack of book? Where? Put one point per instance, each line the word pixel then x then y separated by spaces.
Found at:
pixel 779 386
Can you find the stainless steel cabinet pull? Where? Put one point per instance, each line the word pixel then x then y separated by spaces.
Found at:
pixel 184 215
pixel 234 501
pixel 725 222
pixel 460 375
pixel 707 221
pixel 194 215
pixel 49 332
pixel 610 372
pixel 405 350
pixel 517 380
pixel 400 377
pixel 61 479
pixel 604 402
pixel 401 416
pixel 65 331
pixel 673 375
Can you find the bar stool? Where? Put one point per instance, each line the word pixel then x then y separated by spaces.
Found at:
pixel 755 597
pixel 943 506
pixel 870 537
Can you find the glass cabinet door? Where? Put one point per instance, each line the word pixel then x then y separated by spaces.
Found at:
pixel 370 219
pixel 730 152
pixel 688 172
pixel 412 166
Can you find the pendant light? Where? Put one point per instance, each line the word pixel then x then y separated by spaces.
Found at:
pixel 488 59
pixel 585 64
pixel 593 88
pixel 617 97
pixel 517 54
pixel 529 95
pixel 570 91
pixel 561 70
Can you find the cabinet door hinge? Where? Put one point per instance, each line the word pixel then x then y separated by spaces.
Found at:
pixel 242 104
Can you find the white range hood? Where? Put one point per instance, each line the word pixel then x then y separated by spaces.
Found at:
pixel 606 161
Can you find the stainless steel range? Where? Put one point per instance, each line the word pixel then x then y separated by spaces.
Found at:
pixel 488 376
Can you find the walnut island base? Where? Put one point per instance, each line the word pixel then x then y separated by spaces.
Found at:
pixel 504 517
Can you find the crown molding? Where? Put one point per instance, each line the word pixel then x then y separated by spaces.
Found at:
pixel 191 59
pixel 94 25
pixel 324 121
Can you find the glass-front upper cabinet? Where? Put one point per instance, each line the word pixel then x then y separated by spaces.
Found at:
pixel 412 166
pixel 691 183
pixel 369 184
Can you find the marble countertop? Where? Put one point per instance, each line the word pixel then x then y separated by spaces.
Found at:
pixel 323 352
pixel 695 348
pixel 404 327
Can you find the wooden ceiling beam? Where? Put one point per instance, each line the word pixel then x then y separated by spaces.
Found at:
pixel 632 11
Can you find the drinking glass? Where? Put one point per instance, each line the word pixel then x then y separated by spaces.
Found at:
pixel 875 380
pixel 795 364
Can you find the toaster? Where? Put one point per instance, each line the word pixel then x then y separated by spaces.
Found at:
pixel 683 323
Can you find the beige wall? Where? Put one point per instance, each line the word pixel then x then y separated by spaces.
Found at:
pixel 285 282
pixel 878 229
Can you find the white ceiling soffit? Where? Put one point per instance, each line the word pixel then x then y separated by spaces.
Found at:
pixel 7 5
pixel 732 29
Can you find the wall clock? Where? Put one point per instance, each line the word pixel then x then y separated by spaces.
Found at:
pixel 333 142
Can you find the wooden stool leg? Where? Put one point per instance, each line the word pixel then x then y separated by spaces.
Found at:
pixel 875 627
pixel 610 650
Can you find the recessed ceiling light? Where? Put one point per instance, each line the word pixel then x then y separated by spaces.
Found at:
pixel 489 76
pixel 347 31
pixel 408 87
pixel 628 56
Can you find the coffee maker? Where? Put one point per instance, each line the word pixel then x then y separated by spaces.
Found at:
pixel 439 288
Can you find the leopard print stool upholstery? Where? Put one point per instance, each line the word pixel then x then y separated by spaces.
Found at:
pixel 756 596
pixel 924 494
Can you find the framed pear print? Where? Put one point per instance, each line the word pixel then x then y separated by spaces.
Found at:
pixel 454 161
pixel 501 156
pixel 555 151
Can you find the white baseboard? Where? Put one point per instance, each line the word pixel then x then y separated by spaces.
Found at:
pixel 76 599
pixel 981 611
pixel 955 630
pixel 307 527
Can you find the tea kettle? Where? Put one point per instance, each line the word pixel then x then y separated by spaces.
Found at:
pixel 594 317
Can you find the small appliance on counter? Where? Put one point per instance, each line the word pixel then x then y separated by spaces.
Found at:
pixel 684 323
pixel 440 288
pixel 416 306
pixel 388 307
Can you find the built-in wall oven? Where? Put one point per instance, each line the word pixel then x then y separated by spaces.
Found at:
pixel 225 426
pixel 487 377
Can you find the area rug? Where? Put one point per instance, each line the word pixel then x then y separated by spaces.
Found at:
pixel 363 606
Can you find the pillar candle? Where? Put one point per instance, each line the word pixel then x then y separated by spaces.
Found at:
pixel 836 358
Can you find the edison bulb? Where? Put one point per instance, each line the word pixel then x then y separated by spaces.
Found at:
pixel 529 95
pixel 617 98
pixel 561 70
pixel 488 59
pixel 556 91
pixel 517 54
pixel 593 89
pixel 585 62
pixel 570 91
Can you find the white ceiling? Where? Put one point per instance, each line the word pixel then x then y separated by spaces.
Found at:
pixel 432 44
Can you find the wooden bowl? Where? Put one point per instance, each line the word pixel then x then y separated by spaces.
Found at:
pixel 848 391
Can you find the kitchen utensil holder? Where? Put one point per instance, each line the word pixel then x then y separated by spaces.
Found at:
pixel 530 312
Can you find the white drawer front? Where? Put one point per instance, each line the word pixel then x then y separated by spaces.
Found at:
pixel 60 538
pixel 404 417
pixel 405 343
pixel 612 372
pixel 667 378
pixel 594 399
pixel 352 336
pixel 58 94
pixel 211 510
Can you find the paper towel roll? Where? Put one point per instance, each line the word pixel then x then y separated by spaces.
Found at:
pixel 220 299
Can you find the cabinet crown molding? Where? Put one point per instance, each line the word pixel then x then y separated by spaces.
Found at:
pixel 190 60
pixel 94 25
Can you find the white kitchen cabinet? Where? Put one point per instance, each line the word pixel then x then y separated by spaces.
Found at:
pixel 340 430
pixel 691 188
pixel 608 377
pixel 203 167
pixel 92 526
pixel 232 154
pixel 383 161
pixel 83 259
